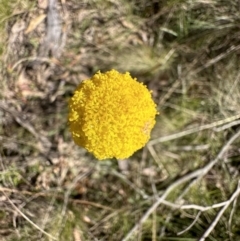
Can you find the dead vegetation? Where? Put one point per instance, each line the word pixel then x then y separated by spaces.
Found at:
pixel 184 184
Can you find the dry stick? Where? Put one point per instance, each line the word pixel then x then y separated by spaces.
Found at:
pixel 53 39
pixel 193 130
pixel 159 201
pixel 27 219
pixel 199 173
pixel 220 213
pixel 227 126
pixel 191 148
pixel 194 206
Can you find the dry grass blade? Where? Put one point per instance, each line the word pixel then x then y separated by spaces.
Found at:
pixel 28 220
pixel 193 130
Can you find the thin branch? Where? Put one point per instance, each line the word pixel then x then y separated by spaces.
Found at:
pixel 160 200
pixel 227 126
pixel 198 174
pixel 194 206
pixel 191 147
pixel 220 213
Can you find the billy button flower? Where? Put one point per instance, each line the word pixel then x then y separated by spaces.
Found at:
pixel 111 115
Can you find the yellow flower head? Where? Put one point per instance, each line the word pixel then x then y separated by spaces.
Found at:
pixel 111 115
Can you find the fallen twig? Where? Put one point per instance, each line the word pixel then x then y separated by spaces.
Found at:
pixel 220 213
pixel 198 174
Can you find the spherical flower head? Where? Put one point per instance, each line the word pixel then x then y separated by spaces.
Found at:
pixel 111 115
